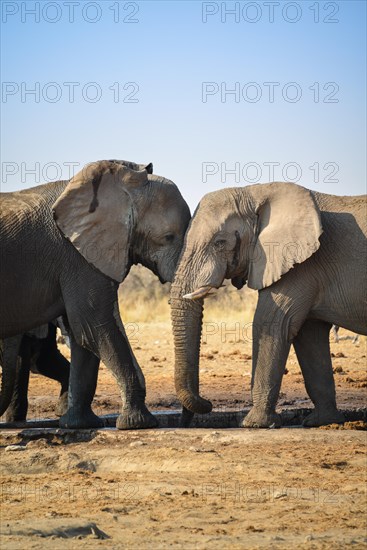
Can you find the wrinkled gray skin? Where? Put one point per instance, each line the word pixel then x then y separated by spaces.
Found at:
pixel 306 254
pixel 108 217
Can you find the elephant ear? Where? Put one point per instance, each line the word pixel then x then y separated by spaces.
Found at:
pixel 95 212
pixel 287 231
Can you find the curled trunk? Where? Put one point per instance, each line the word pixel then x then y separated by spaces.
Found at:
pixel 9 348
pixel 187 319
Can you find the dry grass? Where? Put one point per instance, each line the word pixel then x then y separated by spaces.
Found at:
pixel 143 298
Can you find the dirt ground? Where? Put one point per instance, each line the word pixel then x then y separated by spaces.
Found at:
pixel 195 488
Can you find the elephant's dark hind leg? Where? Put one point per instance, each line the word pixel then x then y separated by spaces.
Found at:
pixel 313 352
pixel 54 365
pixel 82 387
pixel 17 410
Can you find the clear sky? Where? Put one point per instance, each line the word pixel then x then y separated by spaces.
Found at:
pixel 151 81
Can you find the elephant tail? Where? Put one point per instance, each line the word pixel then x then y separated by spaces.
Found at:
pixel 9 349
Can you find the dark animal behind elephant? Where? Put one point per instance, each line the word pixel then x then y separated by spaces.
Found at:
pixel 38 353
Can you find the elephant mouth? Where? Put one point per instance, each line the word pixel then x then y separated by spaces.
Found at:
pixel 161 280
pixel 199 293
pixel 156 272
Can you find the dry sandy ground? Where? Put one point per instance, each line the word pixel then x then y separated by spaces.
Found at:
pixel 288 488
pixel 225 371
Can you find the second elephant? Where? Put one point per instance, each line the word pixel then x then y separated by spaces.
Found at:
pixel 305 252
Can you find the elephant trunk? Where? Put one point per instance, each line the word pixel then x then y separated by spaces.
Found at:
pixel 187 319
pixel 8 359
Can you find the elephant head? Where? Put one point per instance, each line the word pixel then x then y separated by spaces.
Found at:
pixel 116 215
pixel 253 234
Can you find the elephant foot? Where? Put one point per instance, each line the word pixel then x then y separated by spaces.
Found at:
pixel 62 405
pixel 258 418
pixel 322 417
pixel 136 419
pixel 15 416
pixel 186 418
pixel 80 419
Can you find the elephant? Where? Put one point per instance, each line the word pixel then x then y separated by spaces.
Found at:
pixel 305 253
pixel 65 247
pixel 38 352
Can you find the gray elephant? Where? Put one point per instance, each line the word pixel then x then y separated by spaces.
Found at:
pixel 65 247
pixel 305 252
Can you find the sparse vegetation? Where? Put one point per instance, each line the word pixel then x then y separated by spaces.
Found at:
pixel 143 298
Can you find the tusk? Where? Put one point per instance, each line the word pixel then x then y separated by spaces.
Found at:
pixel 200 293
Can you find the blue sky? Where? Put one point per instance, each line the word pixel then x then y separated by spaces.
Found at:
pixel 168 55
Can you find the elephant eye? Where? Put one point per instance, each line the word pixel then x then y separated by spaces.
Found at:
pixel 169 238
pixel 220 244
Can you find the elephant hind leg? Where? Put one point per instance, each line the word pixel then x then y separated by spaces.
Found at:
pixel 51 363
pixel 313 352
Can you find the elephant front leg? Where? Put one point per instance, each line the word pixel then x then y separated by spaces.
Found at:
pixel 280 313
pixel 270 352
pixel 106 338
pixel 82 387
pixel 118 357
pixel 312 348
